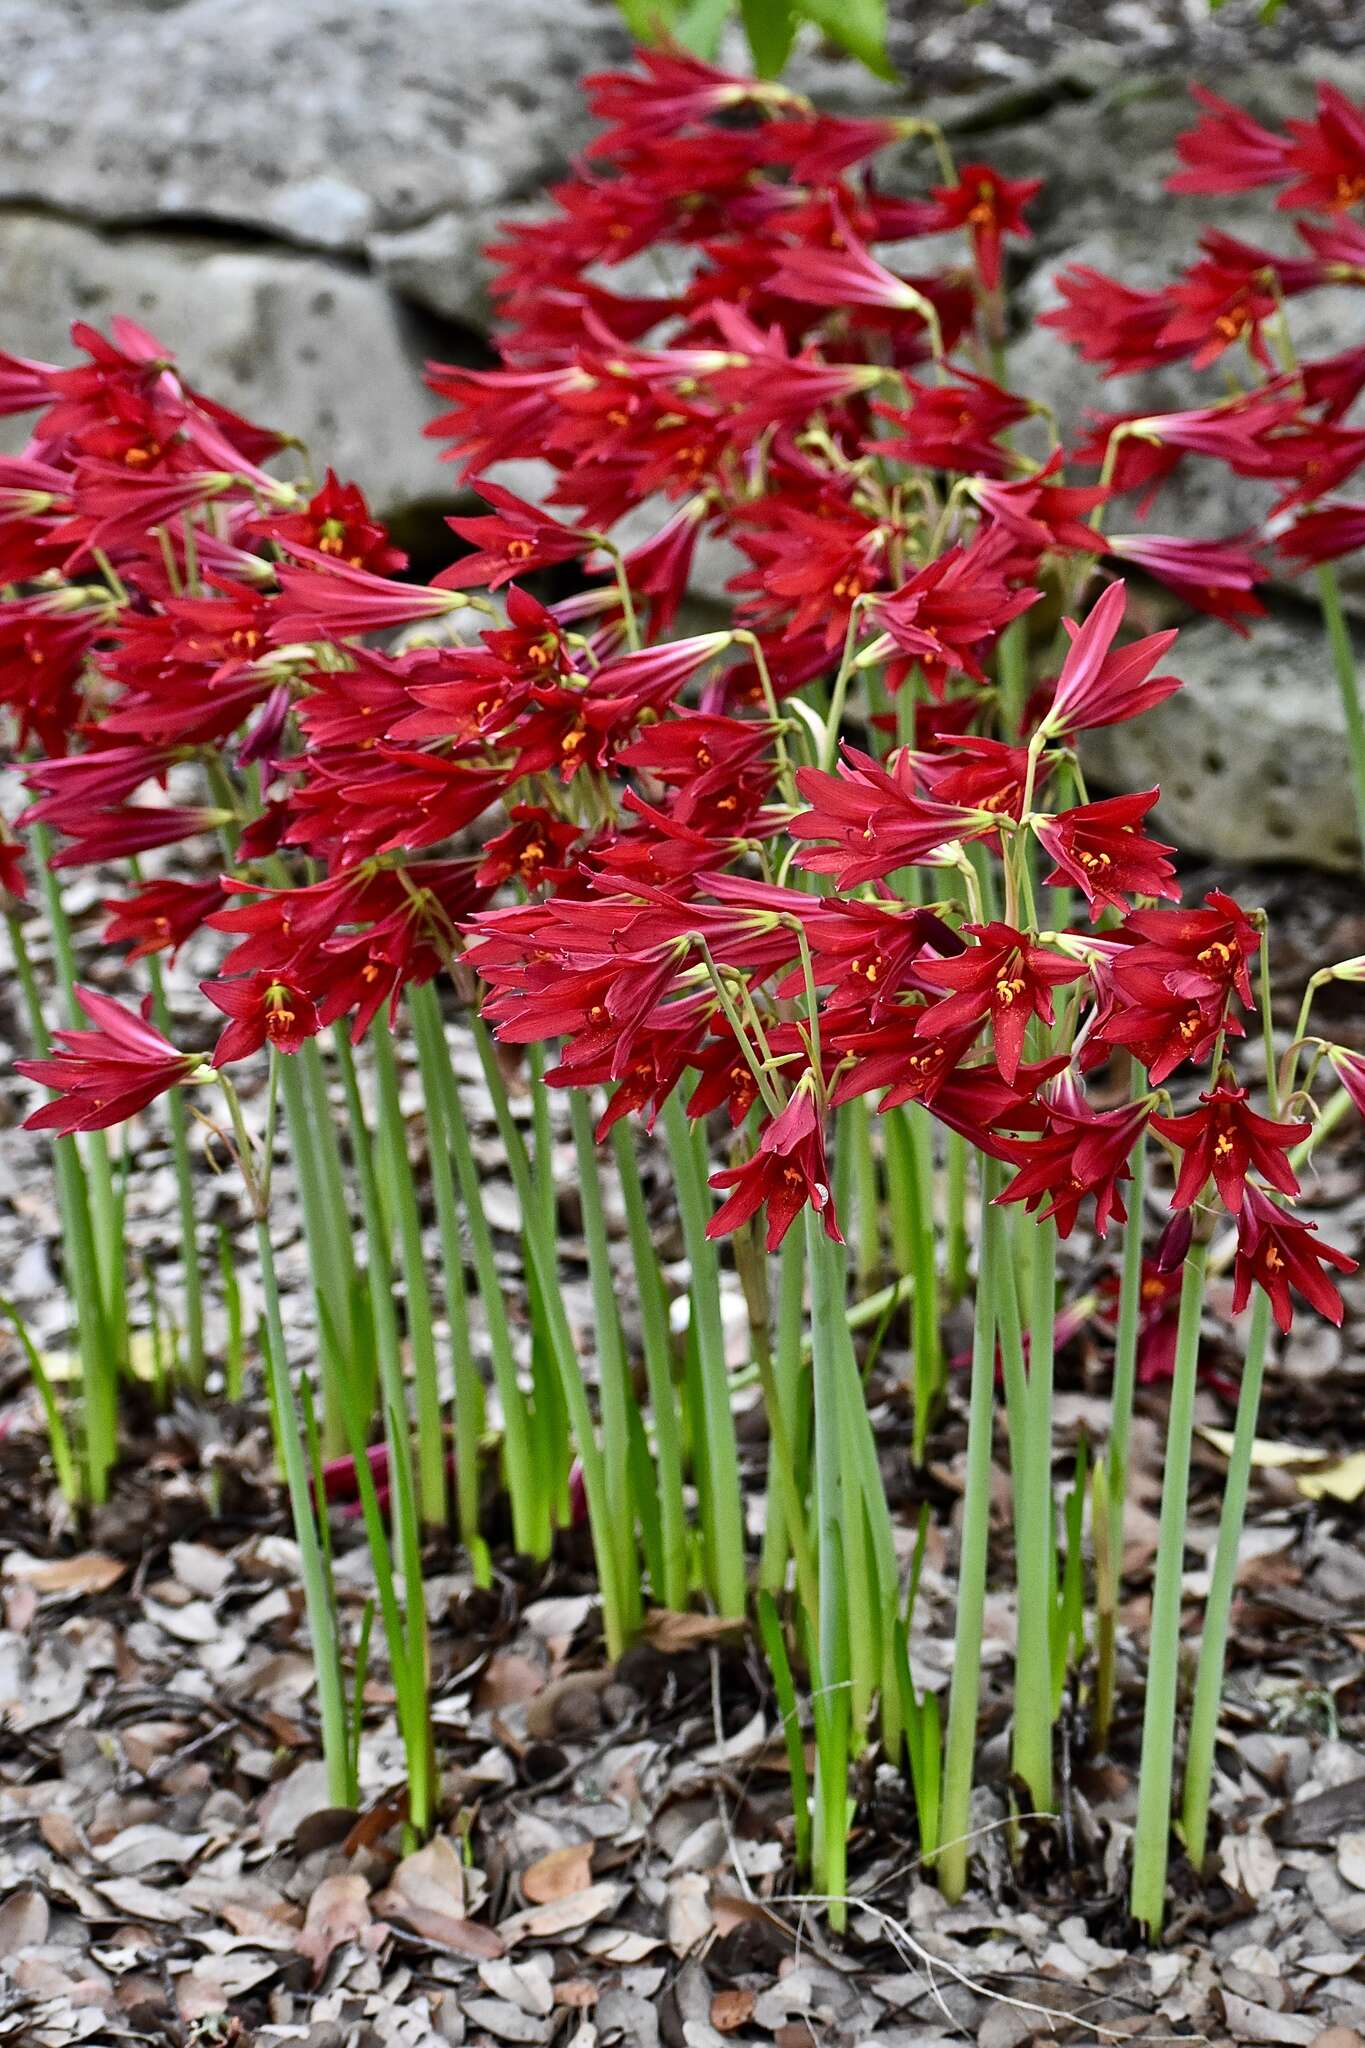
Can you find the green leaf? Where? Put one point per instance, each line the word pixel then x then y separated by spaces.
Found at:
pixel 770 26
pixel 858 26
pixel 649 20
pixel 698 26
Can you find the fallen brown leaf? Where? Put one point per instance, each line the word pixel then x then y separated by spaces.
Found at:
pixel 558 1874
pixel 93 1571
pixel 339 1911
pixel 674 1634
pixel 732 2009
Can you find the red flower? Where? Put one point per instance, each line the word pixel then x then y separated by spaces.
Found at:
pixel 1102 849
pixel 1215 576
pixel 510 541
pixel 1099 685
pixel 877 820
pixel 992 207
pixel 264 1009
pixel 1227 1139
pixel 951 609
pixel 104 1076
pixel 337 522
pixel 1082 1153
pixel 1349 1068
pixel 1111 323
pixel 1007 978
pixel 1228 151
pixel 1329 155
pixel 1276 1251
pixel 788 1170
pixel 1323 535
pixel 160 916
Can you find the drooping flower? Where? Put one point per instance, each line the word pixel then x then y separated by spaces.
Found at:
pixel 876 819
pixel 788 1170
pixel 1225 1138
pixel 1275 1251
pixel 104 1076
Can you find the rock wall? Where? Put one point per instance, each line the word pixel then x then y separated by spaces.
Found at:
pixel 295 196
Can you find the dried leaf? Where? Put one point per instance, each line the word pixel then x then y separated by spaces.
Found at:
pixel 558 1875
pixel 24 1921
pixel 93 1571
pixel 1343 1481
pixel 732 2009
pixel 339 1911
pixel 675 1634
pixel 561 1916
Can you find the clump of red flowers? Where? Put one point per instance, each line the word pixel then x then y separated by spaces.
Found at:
pixel 830 848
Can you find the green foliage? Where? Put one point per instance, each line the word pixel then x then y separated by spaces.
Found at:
pixel 858 26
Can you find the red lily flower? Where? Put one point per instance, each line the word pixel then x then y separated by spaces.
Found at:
pixel 1082 1153
pixel 264 1010
pixel 1227 1139
pixel 992 207
pixel 512 540
pixel 160 916
pixel 1111 323
pixel 950 609
pixel 788 1170
pixel 1349 1068
pixel 876 819
pixel 1103 850
pixel 104 1076
pixel 1228 151
pixel 1323 535
pixel 1099 686
pixel 336 521
pixel 1276 1251
pixel 1006 977
pixel 1329 155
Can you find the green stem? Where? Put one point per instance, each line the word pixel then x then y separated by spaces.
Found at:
pixel 1111 1500
pixel 98 1434
pixel 184 1187
pixel 658 1355
pixel 620 1601
pixel 528 1489
pixel 791 1395
pixel 105 1208
pixel 469 1404
pixel 1344 663
pixel 1208 1687
pixel 964 1695
pixel 317 1592
pixel 326 1255
pixel 722 1506
pixel 832 1637
pixel 1035 1536
pixel 615 1394
pixel 1151 1841
pixel 432 1492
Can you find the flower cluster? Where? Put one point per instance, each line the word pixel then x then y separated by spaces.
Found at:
pixel 840 846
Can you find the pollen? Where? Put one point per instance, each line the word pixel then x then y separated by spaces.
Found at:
pixel 1008 991
pixel 519 549
pixel 1273 1259
pixel 1223 1145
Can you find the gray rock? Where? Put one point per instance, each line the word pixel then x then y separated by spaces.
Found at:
pixel 317 348
pixel 1250 756
pixel 318 122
